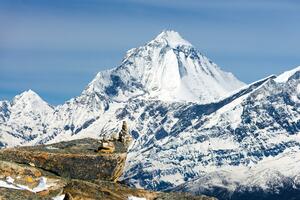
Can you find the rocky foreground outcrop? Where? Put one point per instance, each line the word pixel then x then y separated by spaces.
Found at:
pixel 78 159
pixel 78 169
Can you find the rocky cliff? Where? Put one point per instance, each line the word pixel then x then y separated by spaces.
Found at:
pixel 77 169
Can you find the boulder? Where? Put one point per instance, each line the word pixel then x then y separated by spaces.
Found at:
pixel 77 159
pixel 21 176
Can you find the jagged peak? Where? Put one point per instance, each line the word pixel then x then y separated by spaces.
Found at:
pixel 28 97
pixel 168 38
pixel 30 102
pixel 157 71
pixel 284 77
pixel 28 93
pixel 172 38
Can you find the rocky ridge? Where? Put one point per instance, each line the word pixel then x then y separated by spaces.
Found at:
pixel 73 170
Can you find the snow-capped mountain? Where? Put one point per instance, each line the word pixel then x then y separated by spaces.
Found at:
pixel 24 118
pixel 246 144
pixel 196 127
pixel 167 68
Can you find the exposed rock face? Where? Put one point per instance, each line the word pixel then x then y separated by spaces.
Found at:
pixel 73 159
pixel 28 176
pixel 107 190
pixel 74 169
pixel 8 194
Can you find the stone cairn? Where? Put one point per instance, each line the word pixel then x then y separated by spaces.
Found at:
pixel 108 146
pixel 124 135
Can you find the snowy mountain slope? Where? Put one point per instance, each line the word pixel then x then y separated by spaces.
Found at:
pixel 167 68
pixel 284 77
pixel 251 131
pixel 190 120
pixel 4 111
pixel 25 118
pixel 269 179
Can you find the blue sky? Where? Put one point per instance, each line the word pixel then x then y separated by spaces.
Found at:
pixel 55 47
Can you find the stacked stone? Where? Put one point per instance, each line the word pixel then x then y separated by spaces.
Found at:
pixel 124 135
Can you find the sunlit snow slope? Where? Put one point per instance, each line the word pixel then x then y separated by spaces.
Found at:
pixel 167 68
pixel 192 123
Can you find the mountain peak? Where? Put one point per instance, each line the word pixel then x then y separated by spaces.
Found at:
pixel 171 38
pixel 284 77
pixel 28 94
pixel 160 70
pixel 28 97
pixel 30 102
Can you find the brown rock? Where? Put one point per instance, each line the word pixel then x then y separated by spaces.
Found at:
pixel 68 196
pixel 82 190
pixel 74 159
pixel 28 176
pixel 9 194
pixel 12 169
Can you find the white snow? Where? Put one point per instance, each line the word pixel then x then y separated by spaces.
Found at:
pixel 9 180
pixel 41 186
pixel 5 184
pixel 51 148
pixel 172 38
pixel 9 183
pixel 155 71
pixel 29 101
pixel 59 197
pixel 136 198
pixel 176 178
pixel 259 174
pixel 167 74
pixel 286 75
